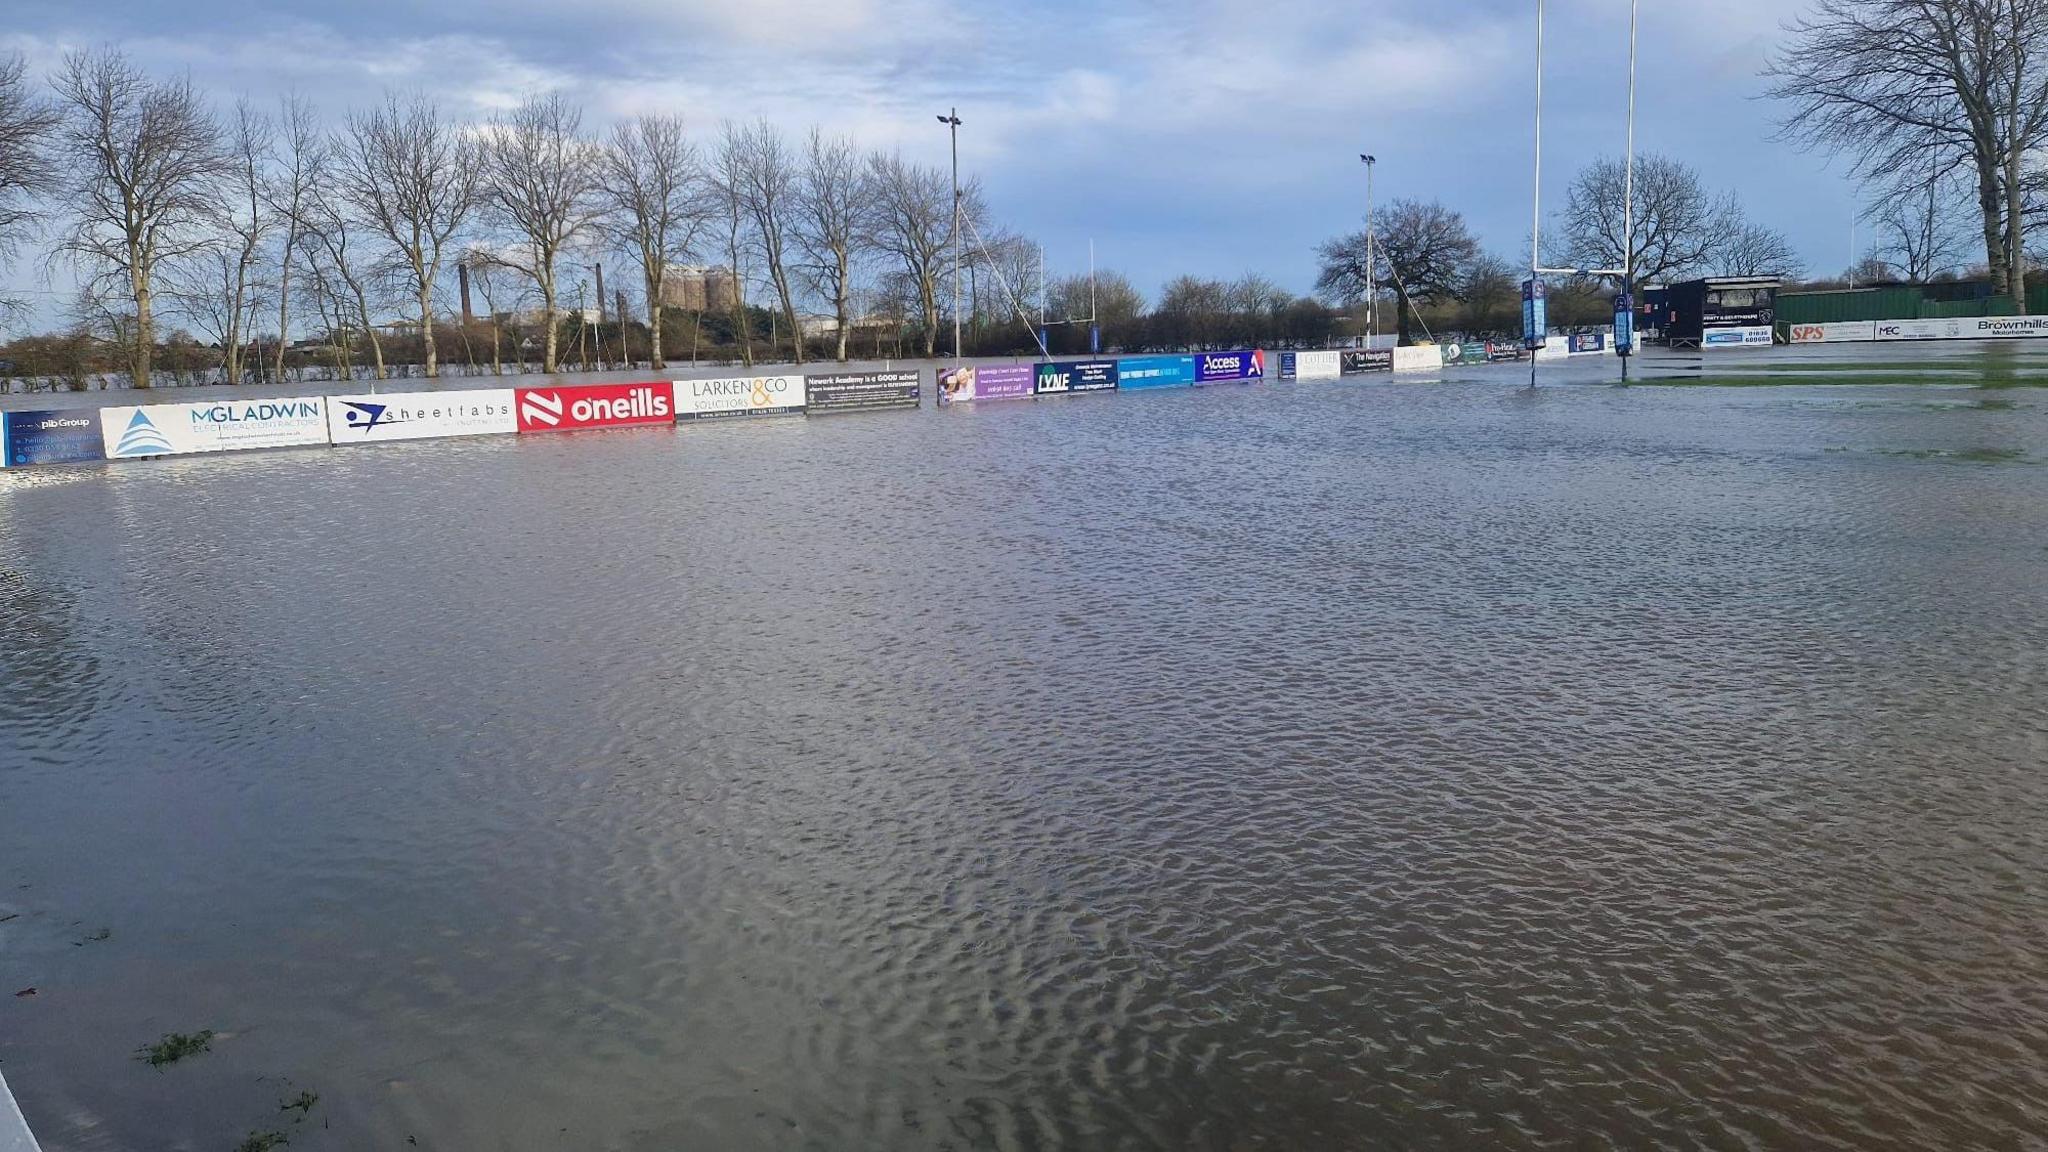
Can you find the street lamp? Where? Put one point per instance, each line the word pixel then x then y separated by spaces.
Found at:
pixel 952 123
pixel 1372 303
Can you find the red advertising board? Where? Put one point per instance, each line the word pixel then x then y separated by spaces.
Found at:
pixel 594 406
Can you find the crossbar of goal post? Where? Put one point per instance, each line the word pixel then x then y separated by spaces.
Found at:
pixel 1534 319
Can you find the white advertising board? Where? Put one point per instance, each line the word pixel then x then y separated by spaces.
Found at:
pixel 1920 330
pixel 420 415
pixel 2005 327
pixel 1758 337
pixel 228 426
pixel 1418 358
pixel 739 396
pixel 1318 365
pixel 1556 348
pixel 1838 332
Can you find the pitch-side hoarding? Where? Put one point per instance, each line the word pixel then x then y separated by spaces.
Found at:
pixel 129 430
pixel 1751 337
pixel 570 407
pixel 1835 333
pixel 1155 372
pixel 1358 361
pixel 986 382
pixel 739 396
pixel 1077 376
pixel 53 436
pixel 1418 358
pixel 420 415
pixel 864 391
pixel 1318 365
pixel 1229 367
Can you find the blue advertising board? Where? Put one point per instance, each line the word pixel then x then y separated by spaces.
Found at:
pixel 1624 323
pixel 1222 367
pixel 1155 372
pixel 1077 376
pixel 1287 365
pixel 54 436
pixel 1589 342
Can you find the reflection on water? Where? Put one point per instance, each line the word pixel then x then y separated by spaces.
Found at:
pixel 1304 766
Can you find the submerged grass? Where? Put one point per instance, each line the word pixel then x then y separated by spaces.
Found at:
pixel 175 1046
pixel 262 1142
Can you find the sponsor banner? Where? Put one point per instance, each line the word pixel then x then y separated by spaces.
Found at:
pixel 1155 372
pixel 420 415
pixel 1835 333
pixel 1554 350
pixel 1736 337
pixel 1464 353
pixel 864 391
pixel 594 406
pixel 986 382
pixel 1920 329
pixel 1585 342
pixel 1287 365
pixel 1504 353
pixel 2006 327
pixel 1077 376
pixel 53 436
pixel 129 431
pixel 1418 358
pixel 739 396
pixel 1222 367
pixel 1318 365
pixel 1361 360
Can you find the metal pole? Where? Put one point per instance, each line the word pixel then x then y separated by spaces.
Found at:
pixel 953 123
pixel 1628 196
pixel 1372 302
pixel 1536 199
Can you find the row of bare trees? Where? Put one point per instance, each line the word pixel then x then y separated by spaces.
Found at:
pixel 250 220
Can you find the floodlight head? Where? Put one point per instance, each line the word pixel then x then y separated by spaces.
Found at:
pixel 1364 157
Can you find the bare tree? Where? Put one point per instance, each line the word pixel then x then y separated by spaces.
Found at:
pixel 767 191
pixel 221 299
pixel 348 278
pixel 1897 82
pixel 649 177
pixel 1423 249
pixel 1917 235
pixel 1675 222
pixel 728 182
pixel 1745 248
pixel 413 176
pixel 28 171
pixel 144 156
pixel 912 226
pixel 831 196
pixel 289 193
pixel 541 183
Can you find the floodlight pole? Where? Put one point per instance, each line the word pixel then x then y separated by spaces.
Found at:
pixel 1372 303
pixel 1628 195
pixel 1536 199
pixel 952 123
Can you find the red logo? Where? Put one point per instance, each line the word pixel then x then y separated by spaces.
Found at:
pixel 1808 334
pixel 594 406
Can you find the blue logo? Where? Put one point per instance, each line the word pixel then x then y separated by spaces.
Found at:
pixel 142 438
pixel 368 416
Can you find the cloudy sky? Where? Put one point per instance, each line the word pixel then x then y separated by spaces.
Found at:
pixel 1205 136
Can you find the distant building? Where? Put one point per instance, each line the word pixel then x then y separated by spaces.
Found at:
pixel 535 317
pixel 693 288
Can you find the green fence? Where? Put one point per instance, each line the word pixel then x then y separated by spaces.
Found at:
pixel 1897 303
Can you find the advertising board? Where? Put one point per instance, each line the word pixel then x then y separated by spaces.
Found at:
pixel 1501 352
pixel 129 430
pixel 1587 342
pixel 1535 313
pixel 1077 376
pixel 864 391
pixel 1287 365
pixel 1835 333
pixel 986 382
pixel 1224 367
pixel 739 396
pixel 1464 353
pixel 419 415
pixel 2006 327
pixel 1318 365
pixel 1155 372
pixel 1418 358
pixel 569 407
pixel 1359 361
pixel 1751 337
pixel 59 436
